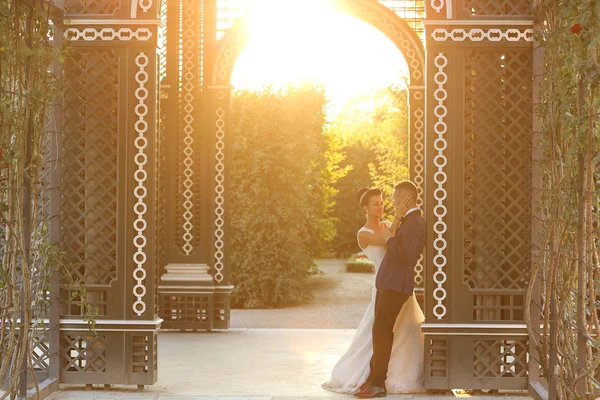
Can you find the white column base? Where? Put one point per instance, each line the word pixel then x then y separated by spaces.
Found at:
pixel 187 273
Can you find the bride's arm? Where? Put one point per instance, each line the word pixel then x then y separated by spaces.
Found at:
pixel 370 239
pixel 395 225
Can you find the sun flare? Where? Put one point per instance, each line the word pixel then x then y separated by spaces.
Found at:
pixel 314 42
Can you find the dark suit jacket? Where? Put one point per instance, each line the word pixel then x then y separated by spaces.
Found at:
pixel 397 270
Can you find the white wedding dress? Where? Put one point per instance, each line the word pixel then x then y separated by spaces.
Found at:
pixel 405 370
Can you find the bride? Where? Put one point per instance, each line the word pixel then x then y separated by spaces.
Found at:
pixel 405 372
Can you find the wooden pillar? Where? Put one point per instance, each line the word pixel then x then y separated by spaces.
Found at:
pixel 478 193
pixel 218 133
pixel 107 234
pixel 416 119
pixel 191 291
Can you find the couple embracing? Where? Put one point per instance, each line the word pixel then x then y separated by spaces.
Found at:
pixel 386 354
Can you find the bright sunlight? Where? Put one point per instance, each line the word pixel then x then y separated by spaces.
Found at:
pixel 313 42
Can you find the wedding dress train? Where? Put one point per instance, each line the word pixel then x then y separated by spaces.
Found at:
pixel 405 371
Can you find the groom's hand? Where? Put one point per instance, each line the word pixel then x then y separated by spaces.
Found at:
pixel 402 207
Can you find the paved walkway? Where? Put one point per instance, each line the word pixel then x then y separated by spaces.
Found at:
pixel 340 300
pixel 261 364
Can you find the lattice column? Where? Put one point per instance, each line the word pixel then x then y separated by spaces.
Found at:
pixel 479 132
pixel 417 169
pixel 189 288
pixel 185 247
pixel 217 117
pixel 108 192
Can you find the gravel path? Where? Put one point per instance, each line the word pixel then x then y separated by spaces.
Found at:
pixel 340 301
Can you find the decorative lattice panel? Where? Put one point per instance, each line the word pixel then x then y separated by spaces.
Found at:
pixel 89 166
pixel 498 7
pixel 221 311
pixel 83 353
pixel 187 176
pixel 411 11
pixel 187 308
pixel 438 358
pixel 162 41
pixel 500 358
pixel 160 247
pixel 73 306
pixel 496 307
pixel 497 161
pixel 162 122
pixel 142 353
pixel 104 7
pixel 40 354
pixel 228 11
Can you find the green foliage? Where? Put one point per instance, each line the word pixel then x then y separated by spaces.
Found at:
pixel 566 269
pixel 349 217
pixel 29 261
pixel 374 129
pixel 285 160
pixel 392 164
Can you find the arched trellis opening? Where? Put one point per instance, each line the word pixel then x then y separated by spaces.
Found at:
pixel 218 96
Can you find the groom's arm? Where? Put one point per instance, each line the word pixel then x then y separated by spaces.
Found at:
pixel 394 245
pixel 410 244
pixel 405 245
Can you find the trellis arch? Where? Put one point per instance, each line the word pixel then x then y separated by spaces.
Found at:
pixel 369 11
pixel 219 92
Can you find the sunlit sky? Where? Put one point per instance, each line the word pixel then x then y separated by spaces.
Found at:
pixel 319 44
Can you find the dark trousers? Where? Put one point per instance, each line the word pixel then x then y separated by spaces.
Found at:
pixel 387 307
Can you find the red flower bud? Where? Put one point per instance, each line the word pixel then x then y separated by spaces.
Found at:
pixel 576 29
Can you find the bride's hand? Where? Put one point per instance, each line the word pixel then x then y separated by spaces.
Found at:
pixel 387 234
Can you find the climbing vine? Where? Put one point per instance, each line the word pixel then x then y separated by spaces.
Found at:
pixel 566 274
pixel 28 88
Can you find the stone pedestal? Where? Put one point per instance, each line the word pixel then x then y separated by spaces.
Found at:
pixel 190 300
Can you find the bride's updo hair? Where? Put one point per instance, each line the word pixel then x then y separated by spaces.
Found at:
pixel 364 195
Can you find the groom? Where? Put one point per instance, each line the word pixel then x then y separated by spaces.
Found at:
pixel 394 283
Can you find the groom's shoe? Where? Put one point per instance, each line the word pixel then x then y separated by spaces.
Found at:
pixel 362 387
pixel 370 392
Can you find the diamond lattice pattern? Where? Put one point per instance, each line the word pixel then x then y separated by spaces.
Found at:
pixel 83 353
pixel 500 359
pixel 92 6
pixel 498 113
pixel 498 7
pixel 89 166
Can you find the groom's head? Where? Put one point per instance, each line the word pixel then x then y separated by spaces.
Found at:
pixel 405 189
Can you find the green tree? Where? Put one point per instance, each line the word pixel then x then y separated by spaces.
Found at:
pixel 374 130
pixel 285 160
pixel 391 147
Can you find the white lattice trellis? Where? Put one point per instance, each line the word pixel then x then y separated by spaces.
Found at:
pixel 440 178
pixel 189 65
pixel 437 5
pixel 145 5
pixel 419 167
pixel 141 176
pixel 478 35
pixel 220 193
pixel 108 34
